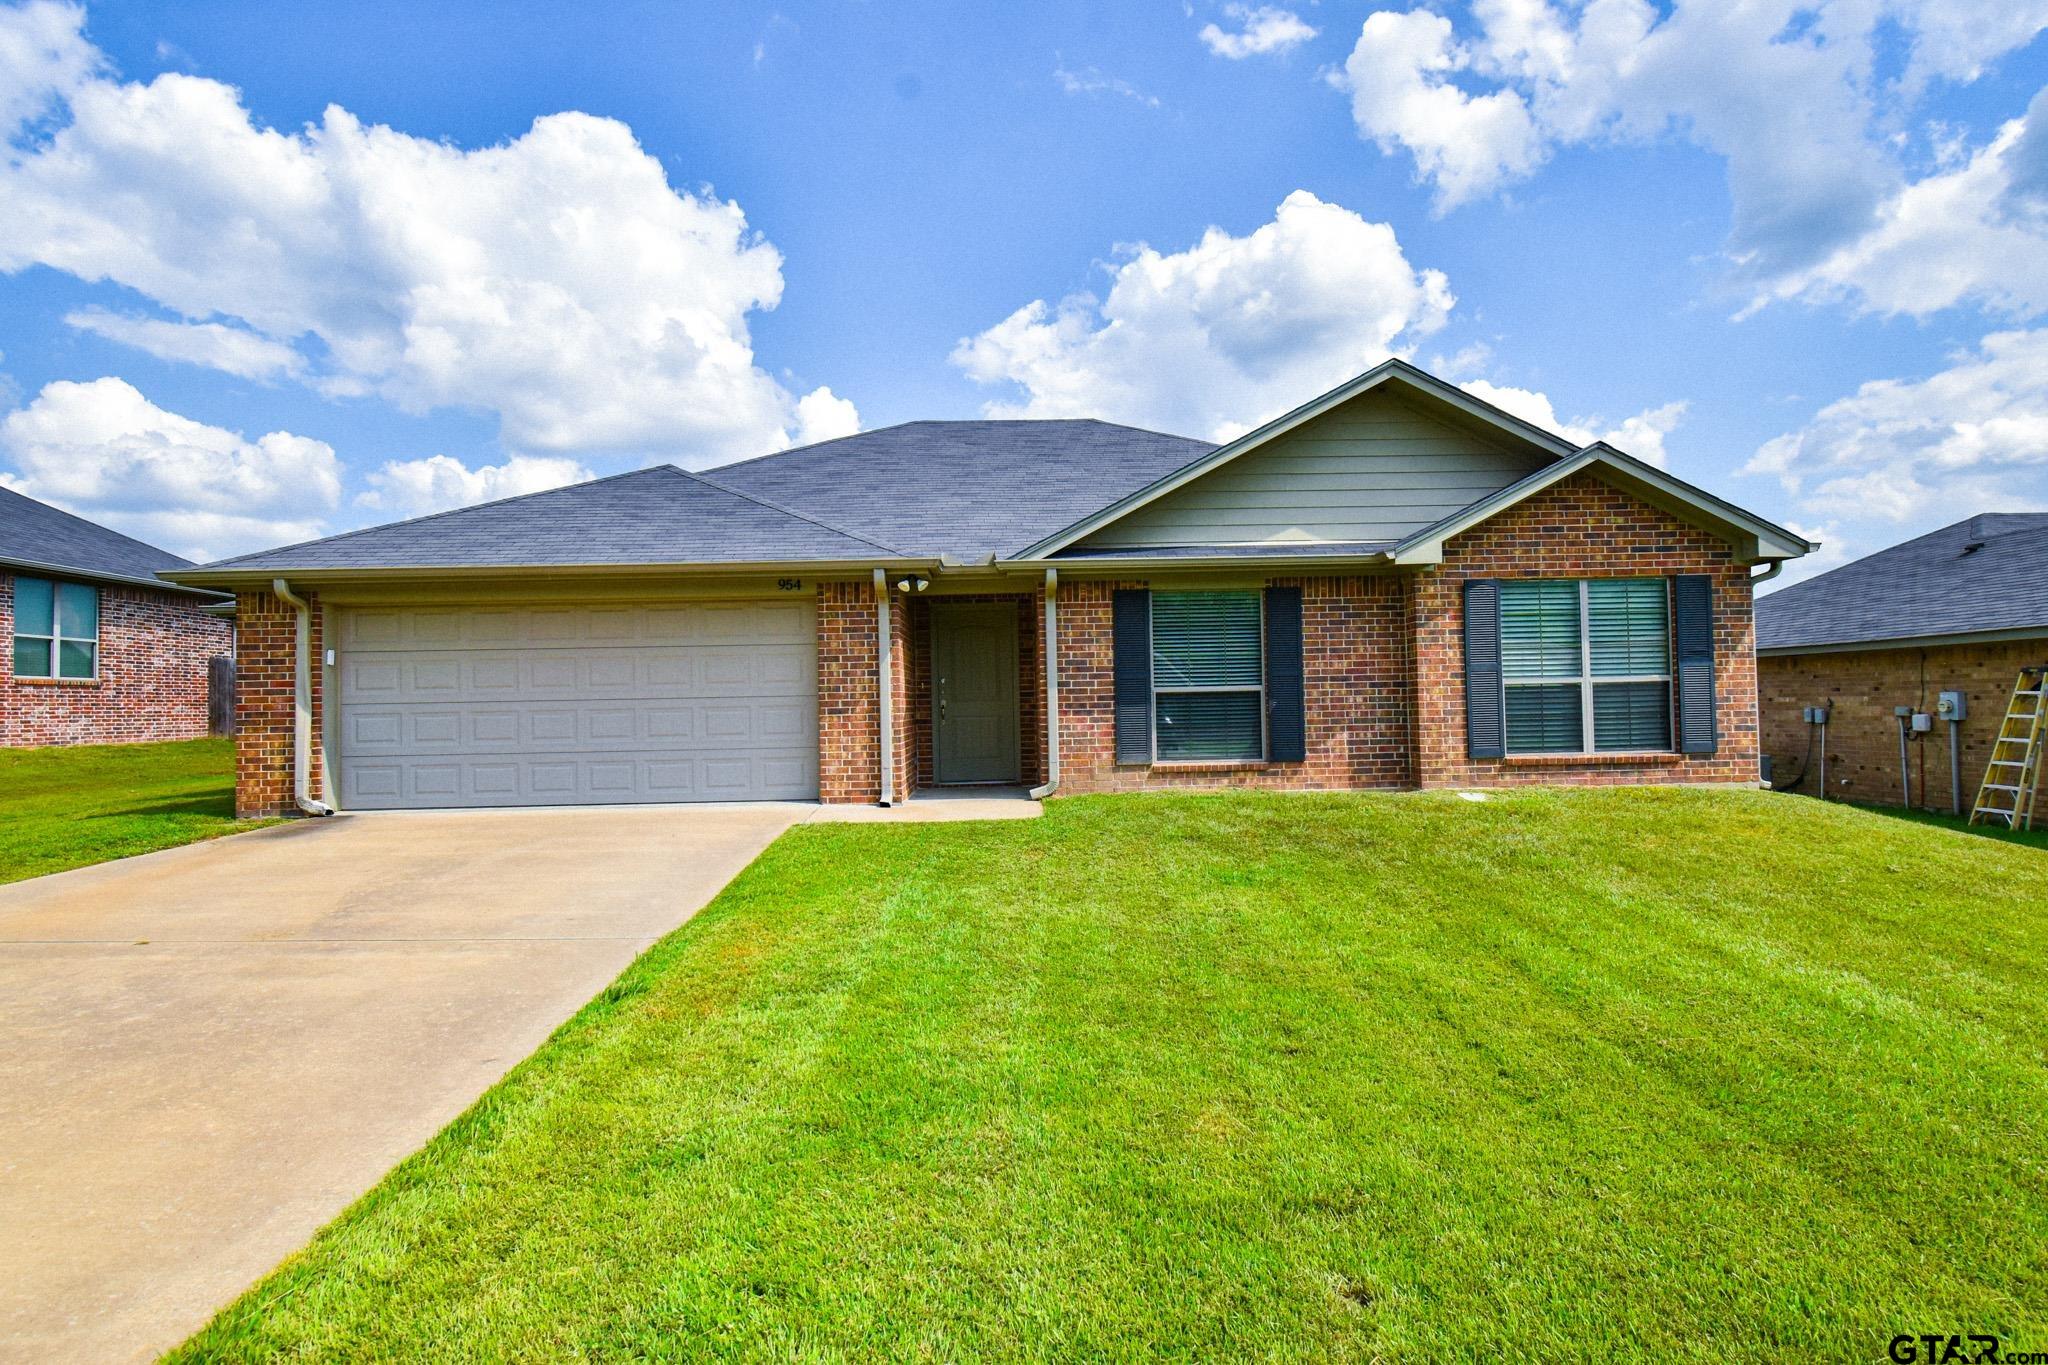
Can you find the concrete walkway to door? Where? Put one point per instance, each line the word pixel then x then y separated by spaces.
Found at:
pixel 207 1053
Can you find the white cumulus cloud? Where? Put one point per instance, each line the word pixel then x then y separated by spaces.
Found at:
pixel 1398 77
pixel 1260 30
pixel 1215 339
pixel 1641 435
pixel 1914 454
pixel 557 280
pixel 232 350
pixel 104 452
pixel 413 488
pixel 43 56
pixel 822 415
pixel 1792 95
pixel 1977 231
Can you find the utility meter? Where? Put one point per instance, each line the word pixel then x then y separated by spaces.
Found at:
pixel 1952 706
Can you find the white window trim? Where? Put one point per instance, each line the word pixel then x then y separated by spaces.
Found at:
pixel 1177 689
pixel 56 638
pixel 1585 679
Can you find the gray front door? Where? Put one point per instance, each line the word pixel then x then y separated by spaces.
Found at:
pixel 974 689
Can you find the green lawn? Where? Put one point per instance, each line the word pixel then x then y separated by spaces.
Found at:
pixel 1650 1074
pixel 68 807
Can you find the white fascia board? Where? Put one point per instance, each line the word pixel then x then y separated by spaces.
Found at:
pixel 168 581
pixel 1975 637
pixel 1753 538
pixel 228 580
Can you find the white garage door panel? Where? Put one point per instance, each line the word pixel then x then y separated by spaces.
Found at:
pixel 423 728
pixel 577 705
pixel 512 674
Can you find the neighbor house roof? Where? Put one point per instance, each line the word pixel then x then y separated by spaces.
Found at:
pixel 658 516
pixel 964 491
pixel 1977 577
pixel 37 537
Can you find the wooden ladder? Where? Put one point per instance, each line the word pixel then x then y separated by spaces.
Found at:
pixel 2007 792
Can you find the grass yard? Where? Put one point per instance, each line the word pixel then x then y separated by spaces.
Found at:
pixel 1627 1074
pixel 68 807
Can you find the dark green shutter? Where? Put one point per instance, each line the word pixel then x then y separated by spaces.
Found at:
pixel 1485 724
pixel 1286 731
pixel 1131 643
pixel 1692 625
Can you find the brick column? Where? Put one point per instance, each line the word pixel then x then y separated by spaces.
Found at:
pixel 849 724
pixel 266 640
pixel 902 696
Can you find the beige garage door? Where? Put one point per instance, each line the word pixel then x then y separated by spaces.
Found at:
pixel 546 705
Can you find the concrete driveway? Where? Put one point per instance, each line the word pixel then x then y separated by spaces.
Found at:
pixel 207 1053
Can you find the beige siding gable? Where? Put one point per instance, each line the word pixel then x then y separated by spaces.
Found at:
pixel 1375 468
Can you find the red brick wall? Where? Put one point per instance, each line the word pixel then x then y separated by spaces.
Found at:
pixel 849 725
pixel 1863 736
pixel 153 652
pixel 1579 528
pixel 1355 694
pixel 266 636
pixel 1383 660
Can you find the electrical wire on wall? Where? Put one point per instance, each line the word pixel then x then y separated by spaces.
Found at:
pixel 1806 761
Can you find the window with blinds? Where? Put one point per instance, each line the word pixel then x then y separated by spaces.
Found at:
pixel 1208 676
pixel 1587 664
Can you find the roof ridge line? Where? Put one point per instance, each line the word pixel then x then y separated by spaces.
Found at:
pixel 810 445
pixel 791 511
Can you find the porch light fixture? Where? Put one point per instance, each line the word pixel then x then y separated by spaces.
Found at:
pixel 916 583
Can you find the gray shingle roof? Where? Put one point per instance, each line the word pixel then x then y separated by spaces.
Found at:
pixel 964 489
pixel 36 533
pixel 1935 585
pixel 649 516
pixel 920 490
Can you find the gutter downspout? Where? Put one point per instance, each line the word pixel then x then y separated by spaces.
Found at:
pixel 1052 689
pixel 886 688
pixel 1777 567
pixel 302 704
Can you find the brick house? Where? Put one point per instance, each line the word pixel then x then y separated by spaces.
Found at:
pixel 1395 585
pixel 99 649
pixel 1959 610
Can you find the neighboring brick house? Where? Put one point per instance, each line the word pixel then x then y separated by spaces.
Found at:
pixel 1961 610
pixel 99 649
pixel 1395 585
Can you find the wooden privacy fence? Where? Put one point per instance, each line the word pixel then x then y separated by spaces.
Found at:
pixel 220 695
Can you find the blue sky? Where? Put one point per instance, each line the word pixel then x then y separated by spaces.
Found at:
pixel 265 279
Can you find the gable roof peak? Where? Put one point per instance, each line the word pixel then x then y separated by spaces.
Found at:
pixel 1391 370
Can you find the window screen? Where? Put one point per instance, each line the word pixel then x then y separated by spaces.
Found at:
pixel 1587 664
pixel 1208 676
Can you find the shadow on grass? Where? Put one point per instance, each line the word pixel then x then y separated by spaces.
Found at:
pixel 217 807
pixel 2028 838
